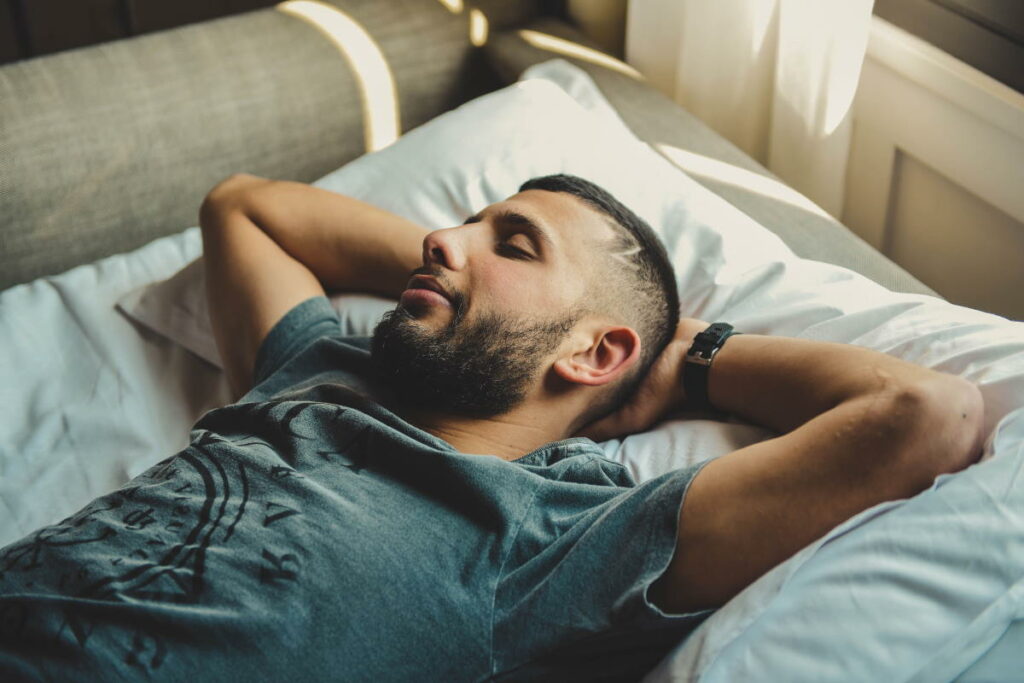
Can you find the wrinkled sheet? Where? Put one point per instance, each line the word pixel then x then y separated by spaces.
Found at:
pixel 90 399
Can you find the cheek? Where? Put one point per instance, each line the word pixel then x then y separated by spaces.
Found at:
pixel 520 287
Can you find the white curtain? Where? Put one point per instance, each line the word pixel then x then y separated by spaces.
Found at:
pixel 775 77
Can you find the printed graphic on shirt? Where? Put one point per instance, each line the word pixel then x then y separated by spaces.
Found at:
pixel 151 540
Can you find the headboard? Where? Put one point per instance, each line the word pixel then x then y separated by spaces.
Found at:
pixel 104 148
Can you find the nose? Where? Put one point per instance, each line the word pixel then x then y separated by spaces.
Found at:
pixel 444 247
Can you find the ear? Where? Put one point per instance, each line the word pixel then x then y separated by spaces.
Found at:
pixel 607 357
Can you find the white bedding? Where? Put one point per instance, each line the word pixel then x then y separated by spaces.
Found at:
pixel 92 398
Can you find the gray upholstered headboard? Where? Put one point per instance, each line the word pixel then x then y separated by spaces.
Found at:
pixel 105 148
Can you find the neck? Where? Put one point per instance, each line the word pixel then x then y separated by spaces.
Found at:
pixel 509 436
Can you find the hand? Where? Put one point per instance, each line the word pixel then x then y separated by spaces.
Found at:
pixel 660 393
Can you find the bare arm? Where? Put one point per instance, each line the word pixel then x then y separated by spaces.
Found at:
pixel 858 427
pixel 784 382
pixel 348 244
pixel 269 245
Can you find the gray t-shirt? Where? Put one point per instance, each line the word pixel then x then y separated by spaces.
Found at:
pixel 308 532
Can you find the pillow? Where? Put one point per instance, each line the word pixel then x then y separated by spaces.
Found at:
pixel 824 613
pixel 176 308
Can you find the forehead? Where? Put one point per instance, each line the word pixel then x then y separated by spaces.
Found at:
pixel 567 220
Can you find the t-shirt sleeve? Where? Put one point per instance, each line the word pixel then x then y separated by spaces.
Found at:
pixel 301 326
pixel 577 580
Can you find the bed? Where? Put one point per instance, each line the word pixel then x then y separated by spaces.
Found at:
pixel 107 357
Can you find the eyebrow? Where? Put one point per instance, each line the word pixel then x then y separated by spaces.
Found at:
pixel 512 217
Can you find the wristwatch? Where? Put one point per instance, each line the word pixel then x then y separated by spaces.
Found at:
pixel 698 364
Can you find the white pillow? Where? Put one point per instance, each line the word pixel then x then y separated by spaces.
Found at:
pixel 176 308
pixel 825 613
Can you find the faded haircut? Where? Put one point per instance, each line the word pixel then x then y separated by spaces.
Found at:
pixel 632 281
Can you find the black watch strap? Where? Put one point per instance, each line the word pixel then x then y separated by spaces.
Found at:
pixel 697 364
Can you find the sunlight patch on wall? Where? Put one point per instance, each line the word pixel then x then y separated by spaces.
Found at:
pixel 568 48
pixel 370 69
pixel 478 27
pixel 713 169
pixel 478 24
pixel 453 6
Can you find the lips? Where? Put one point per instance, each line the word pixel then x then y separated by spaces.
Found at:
pixel 425 282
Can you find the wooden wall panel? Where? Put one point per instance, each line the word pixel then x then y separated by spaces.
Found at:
pixel 986 35
pixel 955 242
pixel 938 188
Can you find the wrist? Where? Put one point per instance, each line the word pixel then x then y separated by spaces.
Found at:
pixel 687 330
pixel 698 362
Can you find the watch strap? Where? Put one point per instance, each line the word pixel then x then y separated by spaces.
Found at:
pixel 697 363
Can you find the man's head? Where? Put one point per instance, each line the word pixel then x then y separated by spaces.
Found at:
pixel 556 287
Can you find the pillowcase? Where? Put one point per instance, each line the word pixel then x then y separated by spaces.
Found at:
pixel 176 308
pixel 824 613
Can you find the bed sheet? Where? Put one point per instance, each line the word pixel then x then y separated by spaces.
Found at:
pixel 90 398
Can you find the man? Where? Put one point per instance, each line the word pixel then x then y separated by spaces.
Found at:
pixel 429 503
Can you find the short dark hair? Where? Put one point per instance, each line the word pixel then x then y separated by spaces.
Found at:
pixel 637 281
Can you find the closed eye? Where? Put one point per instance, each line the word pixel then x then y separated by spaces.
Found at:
pixel 513 251
pixel 504 246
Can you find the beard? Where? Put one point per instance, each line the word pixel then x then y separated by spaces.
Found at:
pixel 476 369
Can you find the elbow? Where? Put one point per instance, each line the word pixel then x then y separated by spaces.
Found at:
pixel 951 417
pixel 969 410
pixel 230 193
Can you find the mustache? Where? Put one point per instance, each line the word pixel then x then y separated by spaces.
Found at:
pixel 458 299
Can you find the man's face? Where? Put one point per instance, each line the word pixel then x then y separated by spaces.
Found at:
pixel 513 278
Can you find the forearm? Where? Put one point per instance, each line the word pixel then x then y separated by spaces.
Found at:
pixel 348 244
pixel 784 382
